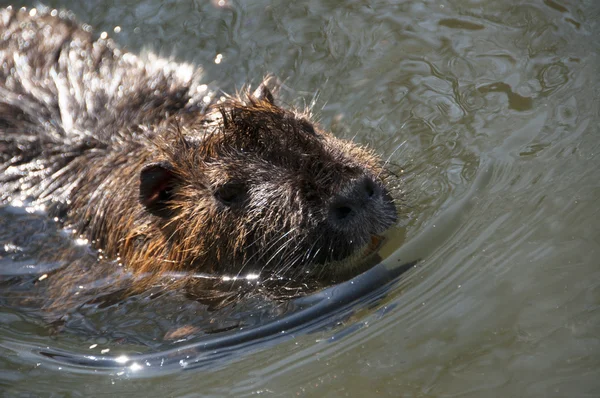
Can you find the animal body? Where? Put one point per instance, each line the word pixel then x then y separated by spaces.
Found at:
pixel 133 154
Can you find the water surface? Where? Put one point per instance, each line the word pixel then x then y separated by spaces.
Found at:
pixel 491 112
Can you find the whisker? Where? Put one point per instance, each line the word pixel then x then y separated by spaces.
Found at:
pixel 381 146
pixel 389 157
pixel 282 249
pixel 262 254
pixel 298 257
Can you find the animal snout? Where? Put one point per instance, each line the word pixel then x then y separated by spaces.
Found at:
pixel 355 203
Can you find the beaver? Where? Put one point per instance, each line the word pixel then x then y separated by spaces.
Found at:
pixel 138 156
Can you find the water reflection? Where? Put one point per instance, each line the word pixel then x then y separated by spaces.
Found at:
pixel 491 111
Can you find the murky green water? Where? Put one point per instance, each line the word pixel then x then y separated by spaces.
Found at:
pixel 492 110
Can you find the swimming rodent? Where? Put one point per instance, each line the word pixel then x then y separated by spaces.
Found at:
pixel 131 153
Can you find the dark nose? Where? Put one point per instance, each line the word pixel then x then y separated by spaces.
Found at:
pixel 355 202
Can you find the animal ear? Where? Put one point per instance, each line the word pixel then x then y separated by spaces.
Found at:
pixel 157 184
pixel 262 93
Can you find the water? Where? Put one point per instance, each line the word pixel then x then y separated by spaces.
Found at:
pixel 491 109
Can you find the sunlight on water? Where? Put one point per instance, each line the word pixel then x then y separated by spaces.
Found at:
pixel 487 111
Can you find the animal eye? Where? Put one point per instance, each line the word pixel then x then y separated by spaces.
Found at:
pixel 230 193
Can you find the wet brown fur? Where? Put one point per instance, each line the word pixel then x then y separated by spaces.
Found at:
pixel 82 120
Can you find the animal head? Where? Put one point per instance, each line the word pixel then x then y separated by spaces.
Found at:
pixel 253 187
